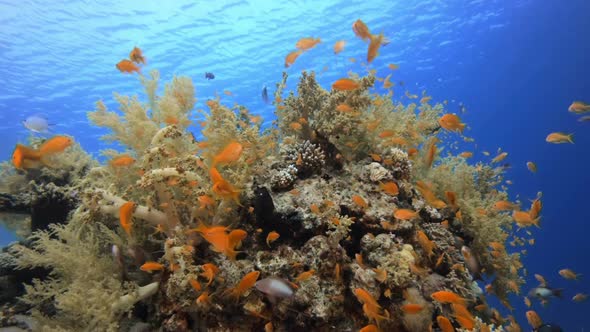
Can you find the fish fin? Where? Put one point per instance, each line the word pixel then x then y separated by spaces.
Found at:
pixel 557 292
pixel 570 138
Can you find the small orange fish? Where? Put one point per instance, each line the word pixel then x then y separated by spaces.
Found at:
pixel 451 122
pixel 569 274
pixel 122 161
pixel 447 297
pixel 389 188
pixel 533 318
pixel 268 327
pixel 56 144
pixel 307 43
pixel 345 84
pixel 304 275
pixel 426 244
pixel 412 308
pixel 24 157
pixel 374 45
pixel 580 297
pixel 195 284
pixel 559 138
pixel 370 328
pixel 272 237
pixel 504 206
pixel 339 46
pixel 500 157
pixel 291 57
pixel 444 324
pixel 523 219
pixel 579 107
pixel 430 153
pixel 151 267
pixel 380 275
pixel 466 154
pixel 125 215
pixel 405 214
pixel 203 298
pixel 206 202
pixel 230 154
pixel 127 66
pixel 209 272
pixel 137 56
pixel 531 166
pixel 244 285
pixel 358 200
pixel 361 30
pixel 222 188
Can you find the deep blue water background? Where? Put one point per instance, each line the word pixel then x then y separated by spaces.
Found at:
pixel 515 65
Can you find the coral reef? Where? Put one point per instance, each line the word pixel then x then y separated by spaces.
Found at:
pixel 346 201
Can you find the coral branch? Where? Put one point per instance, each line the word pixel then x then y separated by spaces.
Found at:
pixel 142 212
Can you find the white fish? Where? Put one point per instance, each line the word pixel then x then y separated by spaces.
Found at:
pixel 37 124
pixel 274 287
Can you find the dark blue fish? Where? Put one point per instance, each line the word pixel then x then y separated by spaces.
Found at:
pixel 265 94
pixel 209 76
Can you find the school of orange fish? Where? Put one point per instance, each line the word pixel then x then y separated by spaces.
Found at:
pixel 226 241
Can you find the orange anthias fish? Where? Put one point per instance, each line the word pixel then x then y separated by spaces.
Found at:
pixel 122 161
pixel 137 56
pixel 444 324
pixel 451 122
pixel 447 297
pixel 389 188
pixel 345 84
pixel 24 157
pixel 426 244
pixel 55 144
pixel 291 57
pixel 579 107
pixel 209 272
pixel 534 320
pixel 358 200
pixel 500 157
pixel 304 275
pixel 569 274
pixel 307 43
pixel 405 214
pixel 523 219
pixel 125 215
pixel 339 46
pixel 429 195
pixel 272 237
pixel 361 30
pixel 374 45
pixel 559 138
pixel 127 66
pixel 244 285
pixel 222 188
pixel 504 206
pixel 151 266
pixel 218 238
pixel 531 166
pixel 412 308
pixel 231 153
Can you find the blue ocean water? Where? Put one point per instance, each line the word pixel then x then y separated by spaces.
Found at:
pixel 515 65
